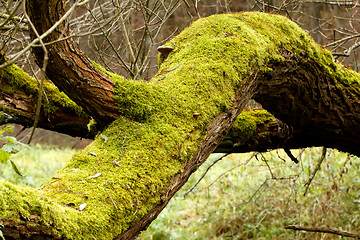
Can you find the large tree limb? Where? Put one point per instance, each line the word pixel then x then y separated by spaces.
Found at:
pixel 19 93
pixel 126 178
pixel 60 114
pixel 318 98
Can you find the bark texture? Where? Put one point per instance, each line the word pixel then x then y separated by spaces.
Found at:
pixel 68 68
pixel 319 102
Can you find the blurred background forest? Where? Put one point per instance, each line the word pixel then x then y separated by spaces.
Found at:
pixel 241 196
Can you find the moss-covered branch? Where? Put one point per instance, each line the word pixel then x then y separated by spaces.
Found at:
pixel 169 126
pixel 60 114
pixel 258 130
pixel 317 97
pixel 18 99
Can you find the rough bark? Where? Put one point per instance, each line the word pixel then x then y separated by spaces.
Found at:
pixel 319 102
pixel 169 126
pixel 68 68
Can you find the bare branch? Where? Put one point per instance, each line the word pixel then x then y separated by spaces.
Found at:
pixel 204 173
pixel 43 70
pixel 307 184
pixel 45 34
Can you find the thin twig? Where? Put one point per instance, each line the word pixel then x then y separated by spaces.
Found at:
pixel 49 184
pixel 258 224
pixel 126 67
pixel 128 45
pixel 307 184
pixel 111 199
pixel 45 34
pixel 204 173
pixel 11 16
pixel 291 156
pixel 323 230
pixel 229 170
pixel 268 166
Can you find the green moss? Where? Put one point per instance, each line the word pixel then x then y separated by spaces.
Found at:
pixel 91 125
pixel 19 202
pixel 138 100
pixel 15 81
pixel 247 123
pixel 128 169
pixel 59 99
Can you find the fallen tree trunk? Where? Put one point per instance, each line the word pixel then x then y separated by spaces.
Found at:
pixel 168 127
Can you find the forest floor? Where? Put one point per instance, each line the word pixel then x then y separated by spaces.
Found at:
pixel 242 196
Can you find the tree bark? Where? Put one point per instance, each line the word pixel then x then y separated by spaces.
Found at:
pixel 68 68
pixel 320 102
pixel 167 127
pixel 62 115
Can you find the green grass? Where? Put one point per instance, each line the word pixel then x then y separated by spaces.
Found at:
pixel 248 203
pixel 37 164
pixel 239 198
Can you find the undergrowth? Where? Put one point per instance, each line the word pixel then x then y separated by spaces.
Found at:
pixel 36 164
pixel 256 198
pixel 243 196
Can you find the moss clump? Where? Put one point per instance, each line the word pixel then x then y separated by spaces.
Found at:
pixel 137 100
pixel 248 122
pixel 19 202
